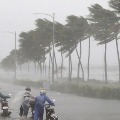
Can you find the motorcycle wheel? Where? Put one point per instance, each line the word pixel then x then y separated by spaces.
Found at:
pixel 6 113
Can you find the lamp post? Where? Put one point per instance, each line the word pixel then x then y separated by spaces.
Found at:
pixel 15 56
pixel 53 41
pixel 14 33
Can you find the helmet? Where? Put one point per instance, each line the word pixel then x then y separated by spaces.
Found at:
pixel 28 89
pixel 42 91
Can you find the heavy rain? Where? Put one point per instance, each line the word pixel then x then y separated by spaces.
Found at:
pixel 66 51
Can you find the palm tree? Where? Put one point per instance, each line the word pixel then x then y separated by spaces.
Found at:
pixel 67 47
pixel 26 44
pixel 58 43
pixel 115 4
pixel 8 63
pixel 20 58
pixel 43 37
pixel 102 27
pixel 79 29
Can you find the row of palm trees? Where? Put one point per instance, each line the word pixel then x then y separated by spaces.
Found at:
pixel 35 45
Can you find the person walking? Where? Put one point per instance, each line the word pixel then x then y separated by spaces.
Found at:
pixel 24 107
pixel 39 105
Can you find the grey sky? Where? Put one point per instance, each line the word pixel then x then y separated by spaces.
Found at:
pixel 17 15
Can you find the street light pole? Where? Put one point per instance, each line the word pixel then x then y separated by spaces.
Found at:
pixel 53 17
pixel 15 56
pixel 53 47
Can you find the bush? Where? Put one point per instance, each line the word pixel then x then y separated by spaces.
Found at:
pixel 36 84
pixel 89 89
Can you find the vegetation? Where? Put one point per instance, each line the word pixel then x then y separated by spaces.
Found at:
pixel 35 84
pixel 93 89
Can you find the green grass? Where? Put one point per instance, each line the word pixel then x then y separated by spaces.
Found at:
pixel 94 89
pixel 89 89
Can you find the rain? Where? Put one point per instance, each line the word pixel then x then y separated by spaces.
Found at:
pixel 68 48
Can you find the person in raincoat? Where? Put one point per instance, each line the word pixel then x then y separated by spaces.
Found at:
pixel 24 108
pixel 39 105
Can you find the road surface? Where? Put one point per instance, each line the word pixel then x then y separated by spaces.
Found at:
pixel 69 107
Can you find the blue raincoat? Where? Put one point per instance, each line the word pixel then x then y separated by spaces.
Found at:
pixel 39 106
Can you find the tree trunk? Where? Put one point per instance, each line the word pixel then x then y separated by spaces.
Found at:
pixel 118 56
pixel 49 68
pixel 35 68
pixel 28 67
pixel 78 75
pixel 61 65
pixel 69 67
pixel 78 71
pixel 80 61
pixel 45 69
pixel 21 69
pixel 88 59
pixel 53 61
pixel 105 60
pixel 40 69
pixel 50 60
pixel 56 65
pixel 80 64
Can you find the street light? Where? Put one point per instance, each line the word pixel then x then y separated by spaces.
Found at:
pixel 14 33
pixel 53 17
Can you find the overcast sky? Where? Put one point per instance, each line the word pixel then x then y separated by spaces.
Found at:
pixel 17 15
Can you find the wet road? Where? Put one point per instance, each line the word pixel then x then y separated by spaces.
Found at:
pixel 70 107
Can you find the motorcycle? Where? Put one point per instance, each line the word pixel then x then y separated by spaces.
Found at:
pixel 5 107
pixel 50 112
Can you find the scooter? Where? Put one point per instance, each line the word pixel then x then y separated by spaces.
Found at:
pixel 5 107
pixel 50 112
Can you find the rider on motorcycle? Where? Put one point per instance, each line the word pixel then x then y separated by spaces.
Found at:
pixel 39 105
pixel 24 108
pixel 4 103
